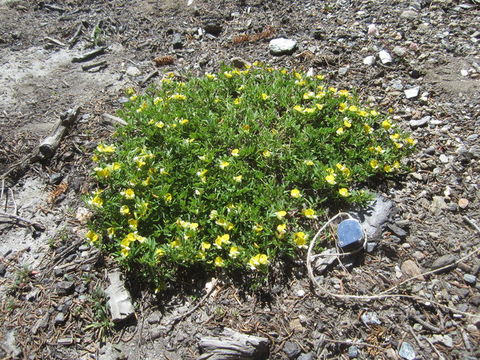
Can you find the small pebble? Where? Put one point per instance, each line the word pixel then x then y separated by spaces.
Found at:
pixel 406 351
pixel 470 279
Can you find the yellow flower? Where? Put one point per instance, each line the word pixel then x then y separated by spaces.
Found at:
pixel 332 89
pixel 340 131
pixel 238 178
pixel 183 121
pixel 362 113
pixel 309 162
pixel 342 107
pixel 266 153
pixel 168 197
pixel 213 214
pixel 124 252
pixel 237 101
pixel 347 123
pixel 353 108
pixel 157 101
pixel 374 113
pixel 309 214
pixel 386 124
pixel 320 94
pixel 281 230
pixel 142 107
pixel 246 128
pixel 300 239
pixel 234 252
pixel 394 137
pixel 330 179
pixel 298 108
pixel 175 243
pixel 128 194
pixel 374 164
pixel 235 152
pixel 410 141
pixel 205 245
pixel 92 236
pixel 219 262
pixel 387 168
pixel 228 74
pixel 96 201
pixel 265 96
pixel 280 214
pixel 308 95
pixel 379 149
pixel 320 77
pixel 295 193
pixel 106 148
pixel 159 253
pixel 133 97
pixel 130 91
pixel 396 165
pixel 210 76
pixel 309 110
pixel 343 93
pixel 178 97
pixel 102 172
pixel 319 106
pixel 224 164
pixel 225 224
pixel 368 129
pixel 110 232
pixel 133 223
pixel 257 228
pixel 124 210
pixel 257 261
pixel 344 192
pixel 297 75
pixel 95 158
pixel 223 239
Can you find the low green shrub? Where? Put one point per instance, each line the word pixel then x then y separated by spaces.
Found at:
pixel 232 170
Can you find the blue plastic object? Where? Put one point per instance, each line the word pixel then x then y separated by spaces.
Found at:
pixel 350 235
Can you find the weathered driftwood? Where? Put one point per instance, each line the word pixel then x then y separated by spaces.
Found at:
pixel 232 345
pixel 18 168
pixel 50 144
pixel 114 119
pixel 89 55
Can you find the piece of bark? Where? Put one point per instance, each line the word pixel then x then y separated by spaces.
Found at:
pixel 50 144
pixel 90 55
pixel 232 345
pixel 114 119
pixel 102 64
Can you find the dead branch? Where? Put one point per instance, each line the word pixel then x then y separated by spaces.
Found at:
pixel 114 119
pixel 100 64
pixel 89 55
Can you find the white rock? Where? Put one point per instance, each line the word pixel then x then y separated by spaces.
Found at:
pixel 119 299
pixel 412 93
pixel 444 158
pixel 372 30
pixel 385 57
pixel 133 71
pixel 282 46
pixel 399 51
pixel 464 72
pixel 369 60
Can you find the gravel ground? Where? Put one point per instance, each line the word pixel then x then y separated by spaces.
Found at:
pixel 420 58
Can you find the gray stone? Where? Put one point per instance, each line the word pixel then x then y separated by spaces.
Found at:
pixel 3 269
pixel 307 356
pixel 59 319
pixel 352 352
pixel 430 150
pixel 385 57
pixel 41 323
pixel 397 231
pixel 438 204
pixel 374 217
pixel 470 279
pixel 419 123
pixel 119 299
pixel 442 339
pixel 32 295
pixel 412 93
pixel 443 261
pixel 111 352
pixel 64 287
pixel 473 137
pixel 213 27
pixel 475 300
pixel 282 46
pixel 444 159
pixel 323 263
pixel 406 351
pixel 9 345
pixel 239 63
pixel 369 60
pixel 154 318
pixel 370 318
pixel 399 51
pixel 397 85
pixel 410 269
pixel 177 41
pixel 291 349
pixel 133 71
pixel 409 14
pixel 343 70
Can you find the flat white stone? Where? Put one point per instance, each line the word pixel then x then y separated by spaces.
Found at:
pixel 282 46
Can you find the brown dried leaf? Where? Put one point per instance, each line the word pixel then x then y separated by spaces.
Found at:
pixel 59 190
pixel 164 60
